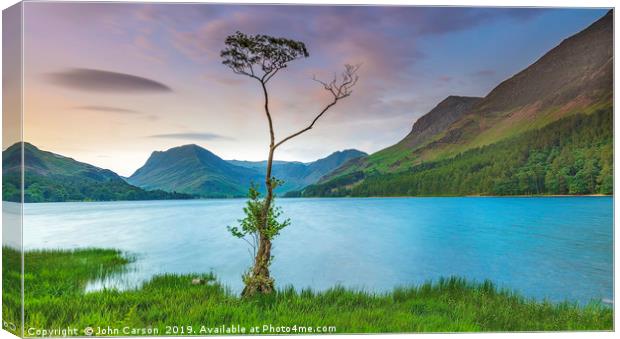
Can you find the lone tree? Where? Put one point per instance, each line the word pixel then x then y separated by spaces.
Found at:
pixel 261 57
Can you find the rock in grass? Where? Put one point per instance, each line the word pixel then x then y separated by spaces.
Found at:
pixel 198 281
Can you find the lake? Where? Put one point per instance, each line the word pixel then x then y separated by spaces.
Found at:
pixel 553 248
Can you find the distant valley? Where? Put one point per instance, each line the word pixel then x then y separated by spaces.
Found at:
pixel 184 172
pixel 194 170
pixel 297 175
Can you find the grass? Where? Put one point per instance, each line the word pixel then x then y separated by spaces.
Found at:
pixel 55 281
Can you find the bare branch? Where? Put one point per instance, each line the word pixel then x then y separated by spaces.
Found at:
pixel 328 87
pixel 339 90
pixel 252 246
pixel 309 126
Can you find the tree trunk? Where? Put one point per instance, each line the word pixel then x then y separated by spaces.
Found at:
pixel 259 280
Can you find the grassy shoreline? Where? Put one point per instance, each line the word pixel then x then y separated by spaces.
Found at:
pixel 55 298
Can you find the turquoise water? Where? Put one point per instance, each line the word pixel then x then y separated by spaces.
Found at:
pixel 554 248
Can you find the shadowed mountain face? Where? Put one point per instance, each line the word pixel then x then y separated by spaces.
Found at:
pixel 195 170
pixel 428 128
pixel 577 72
pixel 53 177
pixel 574 78
pixel 437 120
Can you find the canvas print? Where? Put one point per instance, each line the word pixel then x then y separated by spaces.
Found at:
pixel 228 169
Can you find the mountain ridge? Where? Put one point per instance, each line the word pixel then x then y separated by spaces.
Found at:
pixel 575 77
pixel 195 170
pixel 50 177
pixel 423 131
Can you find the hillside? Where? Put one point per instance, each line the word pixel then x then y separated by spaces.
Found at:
pixel 297 175
pixel 573 155
pixel 194 170
pixel 574 78
pixel 424 130
pixel 52 177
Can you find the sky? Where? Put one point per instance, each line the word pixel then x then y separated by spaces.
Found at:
pixel 109 83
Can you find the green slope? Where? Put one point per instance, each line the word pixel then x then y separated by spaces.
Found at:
pixel 51 177
pixel 194 170
pixel 571 156
pixel 425 130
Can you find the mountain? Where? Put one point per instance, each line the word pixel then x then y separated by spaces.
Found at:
pixel 297 175
pixel 53 177
pixel 195 170
pixel 574 77
pixel 564 87
pixel 424 130
pixel 437 120
pixel 322 167
pixel 573 155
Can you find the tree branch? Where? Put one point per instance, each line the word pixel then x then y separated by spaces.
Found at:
pixel 339 90
pixel 309 126
pixel 268 77
pixel 251 245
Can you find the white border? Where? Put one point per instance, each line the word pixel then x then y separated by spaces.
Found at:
pixel 477 3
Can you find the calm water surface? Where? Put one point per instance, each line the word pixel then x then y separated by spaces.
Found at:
pixel 554 248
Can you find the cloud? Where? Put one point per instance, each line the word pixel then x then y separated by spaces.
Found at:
pixel 390 42
pixel 96 80
pixel 108 109
pixel 191 136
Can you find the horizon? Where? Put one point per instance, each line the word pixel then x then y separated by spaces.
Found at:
pixel 184 145
pixel 169 87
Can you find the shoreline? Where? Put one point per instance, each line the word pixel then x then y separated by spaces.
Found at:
pixel 461 196
pixel 343 197
pixel 426 307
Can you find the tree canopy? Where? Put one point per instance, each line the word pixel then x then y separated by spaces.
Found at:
pixel 260 56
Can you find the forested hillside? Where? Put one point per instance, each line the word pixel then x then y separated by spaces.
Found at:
pixel 571 156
